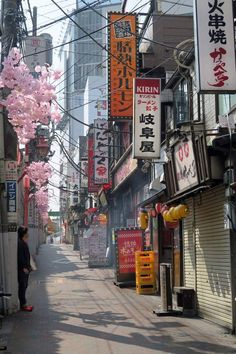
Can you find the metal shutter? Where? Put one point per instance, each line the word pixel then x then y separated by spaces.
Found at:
pixel 213 270
pixel 189 247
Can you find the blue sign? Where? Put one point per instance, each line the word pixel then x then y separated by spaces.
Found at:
pixel 11 196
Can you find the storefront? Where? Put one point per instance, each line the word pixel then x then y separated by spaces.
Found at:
pixel 205 249
pixel 207 266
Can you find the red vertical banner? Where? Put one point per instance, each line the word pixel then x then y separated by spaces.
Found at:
pixel 92 187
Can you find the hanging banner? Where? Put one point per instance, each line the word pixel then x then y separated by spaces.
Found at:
pixel 122 64
pixel 101 142
pixel 92 187
pixel 84 176
pixel 147 119
pixel 215 45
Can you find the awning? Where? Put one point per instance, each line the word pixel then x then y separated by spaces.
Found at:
pixel 223 142
pixel 152 199
pixel 187 194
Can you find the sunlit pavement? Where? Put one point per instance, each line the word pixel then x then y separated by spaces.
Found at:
pixel 79 311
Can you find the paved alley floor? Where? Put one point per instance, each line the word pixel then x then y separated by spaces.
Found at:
pixel 79 311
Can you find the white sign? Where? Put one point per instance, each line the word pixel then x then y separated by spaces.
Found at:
pixel 215 45
pixel 97 246
pixel 11 170
pixel 101 143
pixel 185 165
pixel 32 48
pixel 147 119
pixel 84 174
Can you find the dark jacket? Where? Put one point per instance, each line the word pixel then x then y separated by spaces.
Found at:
pixel 23 256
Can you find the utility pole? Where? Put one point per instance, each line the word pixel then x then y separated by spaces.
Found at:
pixel 8 155
pixel 35 16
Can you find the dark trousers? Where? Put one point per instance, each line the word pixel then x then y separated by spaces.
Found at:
pixel 23 284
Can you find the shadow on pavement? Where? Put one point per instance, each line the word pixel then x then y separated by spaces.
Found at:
pixel 44 330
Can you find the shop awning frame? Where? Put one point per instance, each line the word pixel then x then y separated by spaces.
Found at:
pixel 152 199
pixel 188 194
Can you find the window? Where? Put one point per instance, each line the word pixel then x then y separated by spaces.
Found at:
pixel 182 103
pixel 226 102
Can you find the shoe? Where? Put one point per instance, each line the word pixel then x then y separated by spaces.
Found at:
pixel 27 308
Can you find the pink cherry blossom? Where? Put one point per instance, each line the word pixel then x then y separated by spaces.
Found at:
pixel 39 173
pixel 29 102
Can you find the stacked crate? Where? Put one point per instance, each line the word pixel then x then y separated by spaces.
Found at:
pixel 145 272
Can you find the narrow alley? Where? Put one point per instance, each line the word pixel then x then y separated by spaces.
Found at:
pixel 79 310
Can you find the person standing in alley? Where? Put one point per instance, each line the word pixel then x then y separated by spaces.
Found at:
pixel 24 267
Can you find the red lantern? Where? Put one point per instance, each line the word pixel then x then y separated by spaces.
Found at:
pixel 26 182
pixel 171 225
pixel 153 213
pixel 158 208
pixel 164 208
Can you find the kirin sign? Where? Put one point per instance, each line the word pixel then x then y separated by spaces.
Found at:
pixel 147 118
pixel 215 45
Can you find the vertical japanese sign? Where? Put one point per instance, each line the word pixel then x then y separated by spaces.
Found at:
pixel 122 64
pixel 84 174
pixel 92 187
pixel 101 142
pixel 215 45
pixel 147 118
pixel 11 189
pixel 11 196
pixel 128 241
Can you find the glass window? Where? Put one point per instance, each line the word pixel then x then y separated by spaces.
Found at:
pixel 226 102
pixel 181 103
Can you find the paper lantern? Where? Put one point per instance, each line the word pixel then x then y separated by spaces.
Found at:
pixel 26 182
pixel 143 220
pixel 158 208
pixel 180 212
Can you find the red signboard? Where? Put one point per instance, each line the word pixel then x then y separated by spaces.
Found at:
pixel 128 242
pixel 92 187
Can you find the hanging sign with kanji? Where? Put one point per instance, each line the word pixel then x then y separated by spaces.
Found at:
pixel 147 119
pixel 92 187
pixel 122 64
pixel 101 144
pixel 215 46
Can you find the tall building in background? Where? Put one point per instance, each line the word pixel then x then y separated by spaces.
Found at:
pixel 85 66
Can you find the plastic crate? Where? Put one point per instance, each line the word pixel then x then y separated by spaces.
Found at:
pixel 146 289
pixel 145 280
pixel 144 256
pixel 145 269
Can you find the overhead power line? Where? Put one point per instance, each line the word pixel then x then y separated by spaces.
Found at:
pixel 93 32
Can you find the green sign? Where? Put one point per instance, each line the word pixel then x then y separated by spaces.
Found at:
pixel 54 213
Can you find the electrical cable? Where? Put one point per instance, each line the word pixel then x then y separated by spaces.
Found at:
pixel 92 38
pixel 92 101
pixel 66 154
pixel 75 12
pixel 133 9
pixel 133 34
pixel 91 33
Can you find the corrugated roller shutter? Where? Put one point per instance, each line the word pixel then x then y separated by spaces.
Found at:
pixel 189 247
pixel 213 270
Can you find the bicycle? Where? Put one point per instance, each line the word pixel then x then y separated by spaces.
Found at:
pixel 2 294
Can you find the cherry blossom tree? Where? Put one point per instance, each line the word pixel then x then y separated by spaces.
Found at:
pixel 29 102
pixel 39 173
